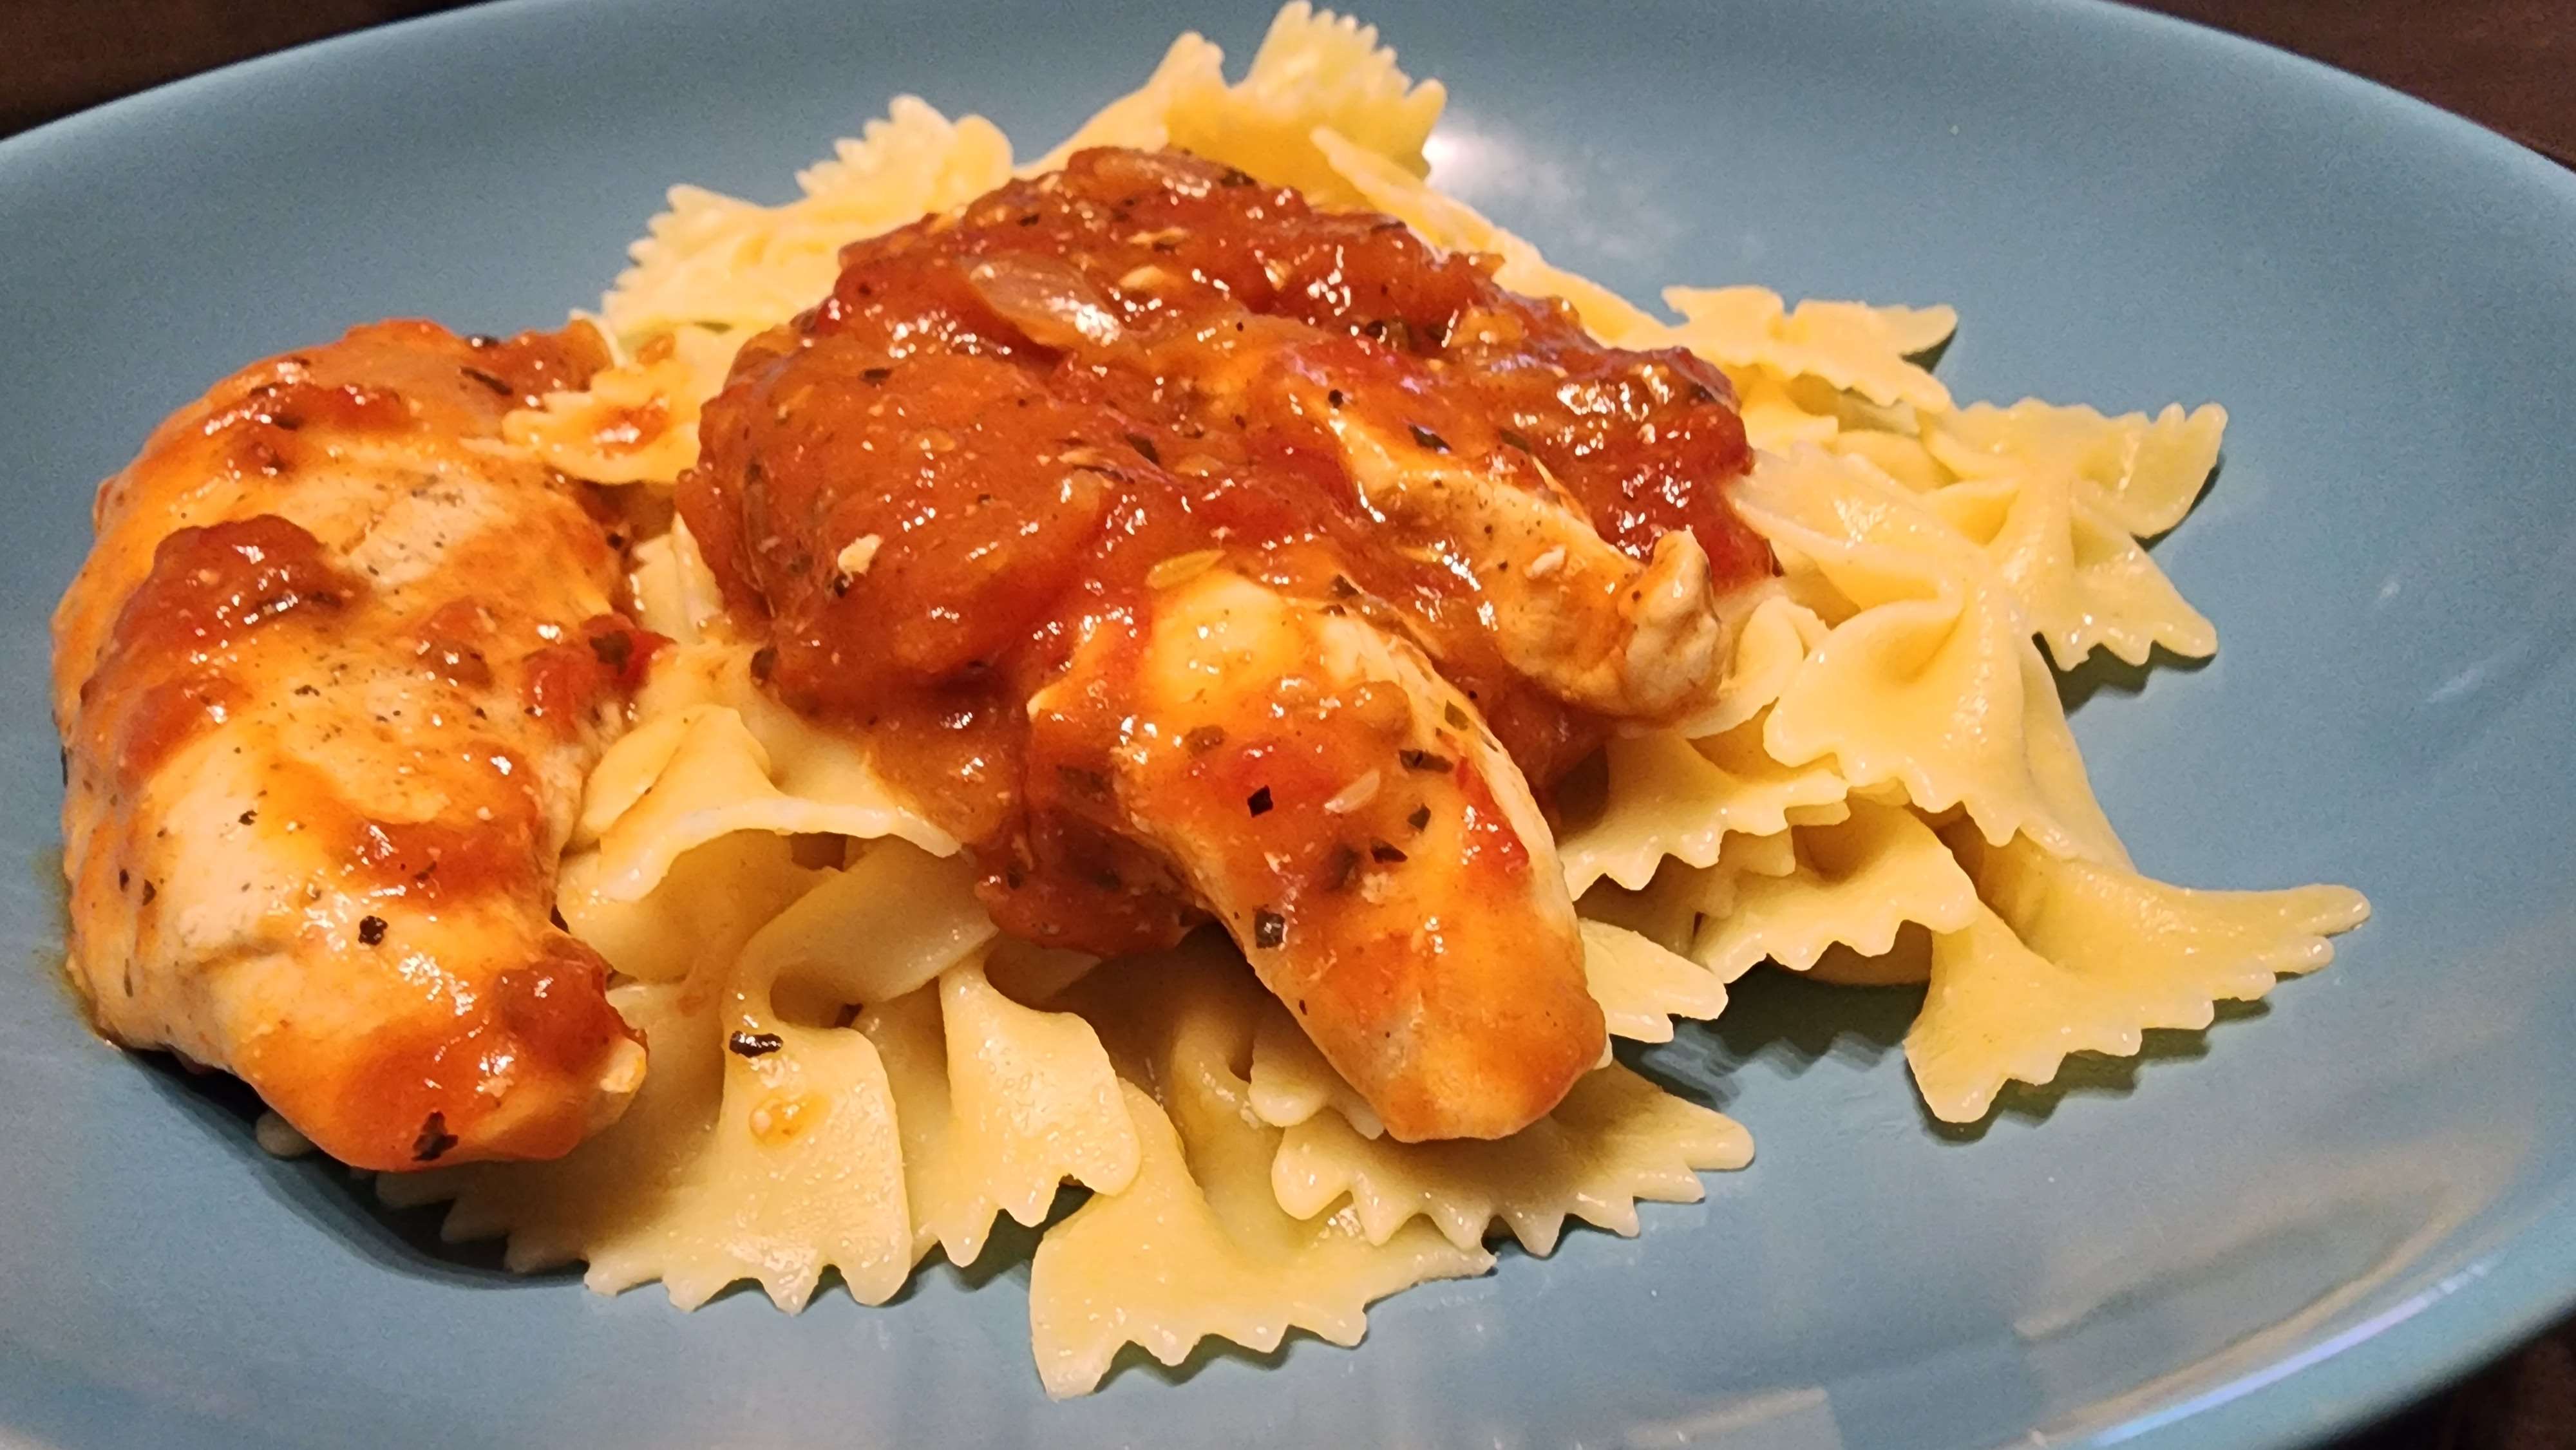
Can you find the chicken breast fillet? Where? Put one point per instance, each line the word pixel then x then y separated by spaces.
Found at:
pixel 328 686
pixel 1187 551
pixel 1351 820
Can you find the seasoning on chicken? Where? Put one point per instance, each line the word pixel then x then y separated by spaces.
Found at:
pixel 328 685
pixel 1015 500
pixel 1313 783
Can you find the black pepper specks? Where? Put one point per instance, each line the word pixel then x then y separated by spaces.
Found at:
pixel 434 1139
pixel 1421 817
pixel 1516 439
pixel 1426 761
pixel 150 891
pixel 614 650
pixel 1334 397
pixel 249 817
pixel 1385 853
pixel 371 929
pixel 1424 437
pixel 873 376
pixel 1145 448
pixel 489 381
pixel 1341 866
pixel 1204 739
pixel 1269 929
pixel 1258 803
pixel 754 1044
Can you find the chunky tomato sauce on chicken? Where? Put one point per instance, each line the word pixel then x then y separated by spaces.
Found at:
pixel 1008 429
pixel 328 687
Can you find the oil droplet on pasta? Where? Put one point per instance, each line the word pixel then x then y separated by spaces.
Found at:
pixel 779 1120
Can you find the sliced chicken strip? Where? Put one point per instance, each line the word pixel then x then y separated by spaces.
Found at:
pixel 1565 608
pixel 1353 824
pixel 1593 626
pixel 328 685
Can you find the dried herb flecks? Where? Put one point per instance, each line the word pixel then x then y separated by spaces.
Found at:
pixel 1341 866
pixel 434 1139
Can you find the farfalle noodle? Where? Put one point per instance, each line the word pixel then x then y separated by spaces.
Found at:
pixel 2058 498
pixel 1197 1245
pixel 850 1070
pixel 2072 956
pixel 1856 883
pixel 1615 1141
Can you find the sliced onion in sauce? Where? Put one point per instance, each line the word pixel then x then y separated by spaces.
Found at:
pixel 1047 299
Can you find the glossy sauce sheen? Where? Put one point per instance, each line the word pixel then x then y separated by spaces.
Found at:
pixel 1019 414
pixel 329 684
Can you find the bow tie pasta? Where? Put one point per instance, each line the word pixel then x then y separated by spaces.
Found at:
pixel 852 1069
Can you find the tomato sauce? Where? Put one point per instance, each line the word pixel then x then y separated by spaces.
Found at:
pixel 167 675
pixel 972 457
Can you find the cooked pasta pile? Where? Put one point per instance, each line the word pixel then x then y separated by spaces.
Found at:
pixel 851 1069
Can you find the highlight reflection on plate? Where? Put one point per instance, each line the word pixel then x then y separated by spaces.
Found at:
pixel 2254 1233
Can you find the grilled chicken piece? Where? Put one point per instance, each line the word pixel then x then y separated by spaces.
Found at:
pixel 964 499
pixel 1565 609
pixel 328 685
pixel 1361 834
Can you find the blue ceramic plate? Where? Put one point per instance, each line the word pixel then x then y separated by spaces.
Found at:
pixel 2257 1234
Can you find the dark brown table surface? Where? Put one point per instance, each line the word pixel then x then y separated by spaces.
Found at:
pixel 2508 64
